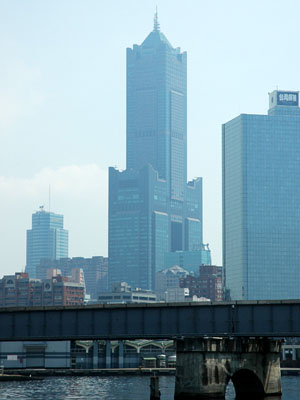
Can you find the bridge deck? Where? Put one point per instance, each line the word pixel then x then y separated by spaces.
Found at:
pixel 278 318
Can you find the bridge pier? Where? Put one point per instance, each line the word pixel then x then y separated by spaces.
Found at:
pixel 205 366
pixel 121 353
pixel 95 354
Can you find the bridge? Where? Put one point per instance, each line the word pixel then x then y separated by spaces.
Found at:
pixel 278 318
pixel 215 341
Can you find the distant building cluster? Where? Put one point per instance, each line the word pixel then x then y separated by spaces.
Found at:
pixel 21 291
pixel 176 284
pixel 95 270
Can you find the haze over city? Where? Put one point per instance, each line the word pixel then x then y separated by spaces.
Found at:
pixel 63 101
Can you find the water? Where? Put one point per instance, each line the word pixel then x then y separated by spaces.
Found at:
pixel 112 388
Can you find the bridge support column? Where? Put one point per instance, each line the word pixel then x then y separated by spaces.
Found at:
pixel 108 354
pixel 121 354
pixel 95 354
pixel 283 355
pixel 205 365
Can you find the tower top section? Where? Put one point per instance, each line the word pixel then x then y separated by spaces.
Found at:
pixel 156 37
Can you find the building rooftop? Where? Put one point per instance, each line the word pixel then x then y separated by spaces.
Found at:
pixel 176 269
pixel 154 39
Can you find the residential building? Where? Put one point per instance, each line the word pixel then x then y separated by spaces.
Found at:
pixel 61 290
pixel 20 291
pixel 46 239
pixel 210 277
pixel 152 210
pixel 208 284
pixel 168 279
pixel 261 197
pixel 95 271
pixel 14 290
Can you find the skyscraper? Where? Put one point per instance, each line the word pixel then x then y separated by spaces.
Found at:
pixel 156 110
pixel 151 208
pixel 47 239
pixel 261 201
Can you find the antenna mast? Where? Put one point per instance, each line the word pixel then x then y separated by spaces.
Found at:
pixel 156 26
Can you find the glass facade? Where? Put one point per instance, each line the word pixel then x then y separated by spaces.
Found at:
pixel 261 197
pixel 152 210
pixel 47 239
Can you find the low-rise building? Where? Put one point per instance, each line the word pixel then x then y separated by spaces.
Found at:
pixel 168 279
pixel 123 293
pixel 175 295
pixel 208 284
pixel 35 354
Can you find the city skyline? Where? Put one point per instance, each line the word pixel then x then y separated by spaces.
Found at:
pixel 59 120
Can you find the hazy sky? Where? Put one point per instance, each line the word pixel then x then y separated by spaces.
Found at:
pixel 62 101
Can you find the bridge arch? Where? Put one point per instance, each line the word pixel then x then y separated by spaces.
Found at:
pixel 247 384
pixel 206 365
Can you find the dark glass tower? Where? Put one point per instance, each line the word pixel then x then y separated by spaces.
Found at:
pixel 151 208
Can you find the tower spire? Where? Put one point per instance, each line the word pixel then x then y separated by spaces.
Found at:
pixel 156 26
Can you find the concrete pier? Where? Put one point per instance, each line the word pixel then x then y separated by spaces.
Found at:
pixel 205 366
pixel 121 353
pixel 95 354
pixel 154 388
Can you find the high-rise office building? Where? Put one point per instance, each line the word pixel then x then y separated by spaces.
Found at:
pixel 261 201
pixel 152 209
pixel 47 239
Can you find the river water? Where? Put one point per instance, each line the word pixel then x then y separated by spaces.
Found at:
pixel 113 388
